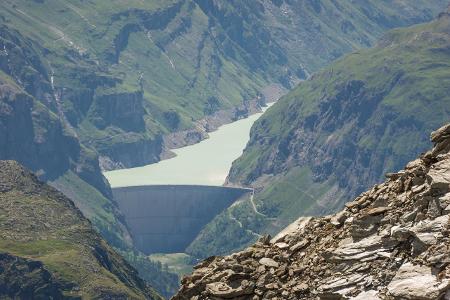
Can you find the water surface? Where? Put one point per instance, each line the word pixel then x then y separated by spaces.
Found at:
pixel 205 163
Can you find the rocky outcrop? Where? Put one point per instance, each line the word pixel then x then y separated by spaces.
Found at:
pixel 26 279
pixel 391 242
pixel 131 151
pixel 32 129
pixel 213 121
pixel 124 110
pixel 33 135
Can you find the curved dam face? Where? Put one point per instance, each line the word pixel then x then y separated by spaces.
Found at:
pixel 167 218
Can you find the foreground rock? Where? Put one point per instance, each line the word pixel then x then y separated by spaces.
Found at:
pixel 391 242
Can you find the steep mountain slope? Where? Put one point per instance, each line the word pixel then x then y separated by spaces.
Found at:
pixel 35 131
pixel 391 242
pixel 48 249
pixel 306 35
pixel 339 132
pixel 129 73
pixel 31 133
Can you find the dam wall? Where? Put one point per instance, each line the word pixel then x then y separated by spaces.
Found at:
pixel 167 218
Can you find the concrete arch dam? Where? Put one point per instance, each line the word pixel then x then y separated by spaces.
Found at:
pixel 167 218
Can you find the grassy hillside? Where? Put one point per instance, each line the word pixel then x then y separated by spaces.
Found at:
pixel 50 250
pixel 129 72
pixel 343 129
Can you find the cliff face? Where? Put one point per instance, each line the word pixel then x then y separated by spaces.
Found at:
pixel 50 250
pixel 34 129
pixel 340 131
pixel 124 110
pixel 391 242
pixel 33 135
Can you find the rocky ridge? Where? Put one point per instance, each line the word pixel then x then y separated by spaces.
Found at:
pixel 391 242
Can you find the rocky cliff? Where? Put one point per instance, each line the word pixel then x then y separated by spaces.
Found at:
pixel 49 250
pixel 32 128
pixel 391 242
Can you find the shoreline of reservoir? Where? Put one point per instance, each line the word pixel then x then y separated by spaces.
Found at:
pixel 205 163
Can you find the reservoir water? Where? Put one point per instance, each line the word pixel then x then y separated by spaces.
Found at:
pixel 205 163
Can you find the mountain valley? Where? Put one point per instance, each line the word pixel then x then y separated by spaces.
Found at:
pixel 90 86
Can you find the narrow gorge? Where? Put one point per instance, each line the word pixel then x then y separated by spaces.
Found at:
pixel 167 204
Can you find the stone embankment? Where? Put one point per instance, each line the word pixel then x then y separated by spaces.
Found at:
pixel 391 242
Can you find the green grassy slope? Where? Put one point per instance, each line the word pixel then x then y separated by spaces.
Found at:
pixel 340 131
pixel 45 231
pixel 129 72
